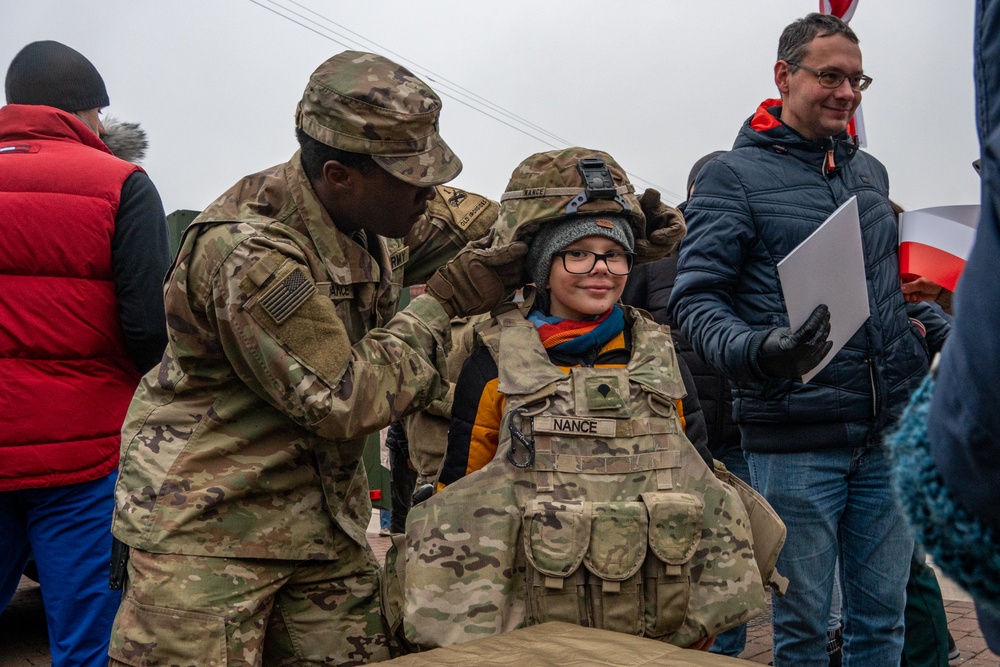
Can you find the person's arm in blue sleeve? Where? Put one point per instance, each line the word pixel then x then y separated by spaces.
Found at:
pixel 140 258
pixel 711 260
pixel 937 326
pixel 964 420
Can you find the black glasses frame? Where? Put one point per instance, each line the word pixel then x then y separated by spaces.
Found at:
pixel 629 257
pixel 858 83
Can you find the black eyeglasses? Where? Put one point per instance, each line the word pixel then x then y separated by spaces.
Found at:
pixel 835 79
pixel 619 262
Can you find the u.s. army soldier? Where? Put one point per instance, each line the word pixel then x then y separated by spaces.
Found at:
pixel 242 493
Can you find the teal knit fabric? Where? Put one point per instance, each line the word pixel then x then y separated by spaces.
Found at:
pixel 965 549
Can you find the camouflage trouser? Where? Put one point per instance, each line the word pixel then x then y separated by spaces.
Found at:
pixel 195 610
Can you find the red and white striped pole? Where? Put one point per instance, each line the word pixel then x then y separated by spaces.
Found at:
pixel 844 10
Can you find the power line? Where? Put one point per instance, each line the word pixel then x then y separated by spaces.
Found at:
pixel 433 76
pixel 444 87
pixel 444 83
pixel 320 31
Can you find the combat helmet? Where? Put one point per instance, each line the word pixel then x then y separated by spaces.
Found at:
pixel 557 184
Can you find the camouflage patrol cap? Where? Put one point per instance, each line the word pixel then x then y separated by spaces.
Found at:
pixel 550 186
pixel 364 103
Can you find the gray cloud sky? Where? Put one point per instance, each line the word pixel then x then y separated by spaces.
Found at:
pixel 656 83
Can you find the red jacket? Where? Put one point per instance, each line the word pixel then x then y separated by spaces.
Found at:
pixel 65 377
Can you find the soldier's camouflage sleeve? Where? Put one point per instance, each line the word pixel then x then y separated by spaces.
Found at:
pixel 454 217
pixel 286 341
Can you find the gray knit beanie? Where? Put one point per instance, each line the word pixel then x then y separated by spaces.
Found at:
pixel 55 75
pixel 554 236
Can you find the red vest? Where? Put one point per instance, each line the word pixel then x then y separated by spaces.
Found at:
pixel 65 377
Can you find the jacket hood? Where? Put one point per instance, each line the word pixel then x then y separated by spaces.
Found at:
pixel 765 129
pixel 126 140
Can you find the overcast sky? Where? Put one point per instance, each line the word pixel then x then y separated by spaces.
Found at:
pixel 657 84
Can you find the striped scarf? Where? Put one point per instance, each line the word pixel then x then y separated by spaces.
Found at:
pixel 574 336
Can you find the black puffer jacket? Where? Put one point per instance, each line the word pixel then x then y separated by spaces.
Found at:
pixel 648 287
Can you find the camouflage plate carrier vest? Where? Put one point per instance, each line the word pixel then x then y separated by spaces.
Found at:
pixel 596 511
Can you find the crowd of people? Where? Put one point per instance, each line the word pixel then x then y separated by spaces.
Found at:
pixel 596 407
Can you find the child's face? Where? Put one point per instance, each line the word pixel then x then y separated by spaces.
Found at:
pixel 574 296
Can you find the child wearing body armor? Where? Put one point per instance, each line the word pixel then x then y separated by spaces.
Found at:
pixel 570 490
pixel 579 266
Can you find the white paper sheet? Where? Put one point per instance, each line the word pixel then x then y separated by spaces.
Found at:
pixel 828 267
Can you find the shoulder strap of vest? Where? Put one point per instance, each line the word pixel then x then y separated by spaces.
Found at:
pixel 653 363
pixel 523 364
pixel 487 334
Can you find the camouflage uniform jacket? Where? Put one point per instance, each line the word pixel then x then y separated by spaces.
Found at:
pixel 246 440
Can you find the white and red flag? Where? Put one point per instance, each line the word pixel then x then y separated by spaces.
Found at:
pixel 842 9
pixel 934 243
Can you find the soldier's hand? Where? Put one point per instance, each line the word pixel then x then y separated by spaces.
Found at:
pixel 479 278
pixel 788 354
pixel 664 228
pixel 422 493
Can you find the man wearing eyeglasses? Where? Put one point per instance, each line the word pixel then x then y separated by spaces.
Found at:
pixel 814 450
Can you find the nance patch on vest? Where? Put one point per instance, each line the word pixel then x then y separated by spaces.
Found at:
pixel 575 426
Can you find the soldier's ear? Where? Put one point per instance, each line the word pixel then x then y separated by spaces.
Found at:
pixel 337 176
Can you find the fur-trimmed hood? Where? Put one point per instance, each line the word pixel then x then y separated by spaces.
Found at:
pixel 126 140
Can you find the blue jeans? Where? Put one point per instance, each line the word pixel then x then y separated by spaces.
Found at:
pixel 837 504
pixel 68 530
pixel 733 641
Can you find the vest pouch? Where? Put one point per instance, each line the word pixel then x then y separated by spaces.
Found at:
pixel 463 575
pixel 766 526
pixel 614 559
pixel 393 585
pixel 675 523
pixel 556 537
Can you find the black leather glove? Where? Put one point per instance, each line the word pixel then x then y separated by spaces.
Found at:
pixel 664 228
pixel 422 493
pixel 787 354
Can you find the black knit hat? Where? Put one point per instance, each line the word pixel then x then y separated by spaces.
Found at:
pixel 55 75
pixel 696 169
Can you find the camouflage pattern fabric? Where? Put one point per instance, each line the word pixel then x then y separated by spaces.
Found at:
pixel 246 441
pixel 544 184
pixel 200 612
pixel 365 103
pixel 427 430
pixel 596 511
pixel 454 218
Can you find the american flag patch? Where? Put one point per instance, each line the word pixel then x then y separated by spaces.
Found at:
pixel 284 298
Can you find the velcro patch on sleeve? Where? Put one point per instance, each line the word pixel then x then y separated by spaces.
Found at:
pixel 399 258
pixel 286 295
pixel 471 213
